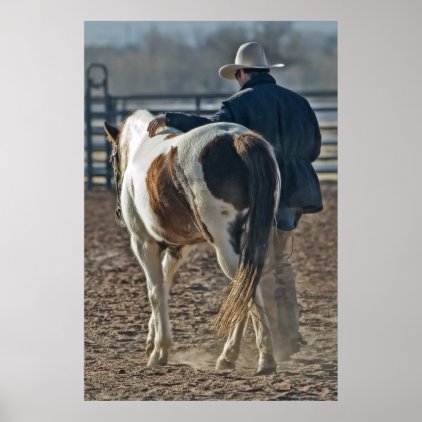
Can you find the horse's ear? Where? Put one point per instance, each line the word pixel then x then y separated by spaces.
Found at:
pixel 112 133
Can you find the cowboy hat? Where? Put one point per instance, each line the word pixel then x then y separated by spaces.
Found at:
pixel 249 55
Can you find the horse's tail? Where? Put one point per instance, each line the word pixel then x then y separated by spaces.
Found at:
pixel 264 188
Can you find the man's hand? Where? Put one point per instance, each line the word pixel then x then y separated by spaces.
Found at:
pixel 155 125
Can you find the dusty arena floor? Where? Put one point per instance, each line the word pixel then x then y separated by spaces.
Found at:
pixel 117 313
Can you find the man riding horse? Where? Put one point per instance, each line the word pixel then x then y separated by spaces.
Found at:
pixel 288 123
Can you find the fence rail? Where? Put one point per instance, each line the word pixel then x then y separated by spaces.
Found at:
pixel 100 106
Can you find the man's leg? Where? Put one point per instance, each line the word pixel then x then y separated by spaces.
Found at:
pixel 287 331
pixel 279 290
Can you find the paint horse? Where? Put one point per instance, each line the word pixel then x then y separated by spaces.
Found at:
pixel 217 183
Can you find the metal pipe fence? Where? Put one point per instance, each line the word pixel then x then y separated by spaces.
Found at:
pixel 100 105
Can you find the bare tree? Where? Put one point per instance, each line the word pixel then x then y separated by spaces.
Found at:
pixel 163 63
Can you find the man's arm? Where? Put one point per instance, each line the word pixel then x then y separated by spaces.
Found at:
pixel 186 122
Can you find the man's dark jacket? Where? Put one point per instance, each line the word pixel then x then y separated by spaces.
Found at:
pixel 287 122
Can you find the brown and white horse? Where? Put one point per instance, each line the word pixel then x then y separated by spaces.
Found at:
pixel 217 183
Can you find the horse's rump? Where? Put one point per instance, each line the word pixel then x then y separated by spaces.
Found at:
pixel 225 173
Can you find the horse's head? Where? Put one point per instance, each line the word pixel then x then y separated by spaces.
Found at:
pixel 112 134
pixel 113 137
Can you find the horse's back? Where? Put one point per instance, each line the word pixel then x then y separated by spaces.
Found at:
pixel 191 144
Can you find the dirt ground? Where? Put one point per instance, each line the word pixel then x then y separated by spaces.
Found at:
pixel 117 313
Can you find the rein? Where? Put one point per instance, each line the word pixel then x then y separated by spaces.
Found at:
pixel 114 160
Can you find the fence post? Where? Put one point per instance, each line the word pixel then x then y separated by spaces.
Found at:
pixel 92 84
pixel 88 132
pixel 110 117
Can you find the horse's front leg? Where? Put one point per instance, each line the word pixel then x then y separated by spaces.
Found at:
pixel 148 254
pixel 173 259
pixel 151 336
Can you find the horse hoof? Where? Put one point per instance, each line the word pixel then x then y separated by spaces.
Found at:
pixel 266 371
pixel 223 363
pixel 157 360
pixel 265 368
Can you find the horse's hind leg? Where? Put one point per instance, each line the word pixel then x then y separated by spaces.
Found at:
pixel 266 363
pixel 228 357
pixel 264 342
pixel 229 261
pixel 148 254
